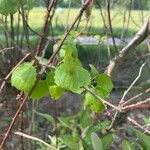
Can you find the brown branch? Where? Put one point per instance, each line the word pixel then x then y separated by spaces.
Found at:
pixel 110 24
pixel 42 40
pixel 139 105
pixel 138 125
pixel 139 37
pixel 135 97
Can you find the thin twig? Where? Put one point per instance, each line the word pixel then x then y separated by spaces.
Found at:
pixel 101 99
pixel 43 37
pixel 138 105
pixel 6 49
pixel 134 97
pixel 129 88
pixel 138 125
pixel 125 93
pixel 35 139
pixel 110 24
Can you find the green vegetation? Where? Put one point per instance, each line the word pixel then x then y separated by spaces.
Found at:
pixel 95 25
pixel 56 69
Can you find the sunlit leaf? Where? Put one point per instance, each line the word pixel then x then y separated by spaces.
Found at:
pixel 104 86
pixel 40 90
pixel 24 77
pixel 73 79
pixel 95 104
pixel 56 92
pixel 71 52
pixel 104 82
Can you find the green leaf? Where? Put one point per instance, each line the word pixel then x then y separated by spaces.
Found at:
pixel 70 142
pixel 143 139
pixel 24 77
pixel 40 90
pixel 50 78
pixel 56 92
pixel 101 92
pixel 46 116
pixel 96 142
pixel 104 86
pixel 107 141
pixel 98 127
pixel 65 122
pixel 85 145
pixel 85 119
pixel 94 71
pixel 71 75
pixel 73 79
pixel 8 7
pixel 94 104
pixel 126 145
pixel 100 38
pixel 139 146
pixel 104 82
pixel 71 53
pixel 74 34
pixel 97 37
pixel 147 121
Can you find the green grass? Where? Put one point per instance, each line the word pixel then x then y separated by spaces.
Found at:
pixel 95 26
pixel 36 19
